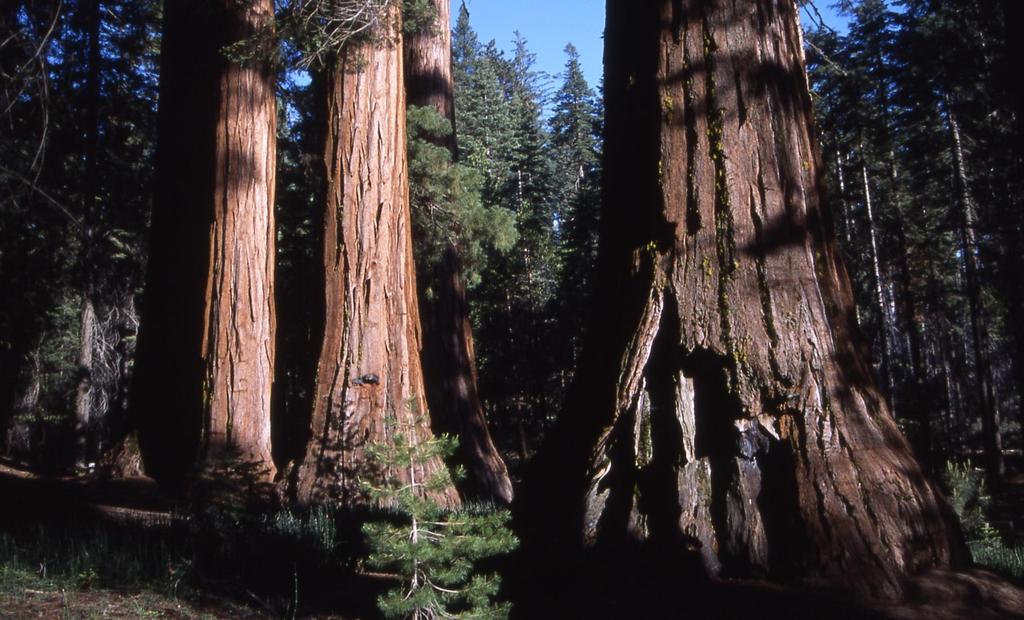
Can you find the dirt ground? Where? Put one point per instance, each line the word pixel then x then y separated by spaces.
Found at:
pixel 941 595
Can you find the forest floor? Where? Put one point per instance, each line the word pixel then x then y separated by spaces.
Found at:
pixel 27 596
pixel 122 588
pixel 1008 509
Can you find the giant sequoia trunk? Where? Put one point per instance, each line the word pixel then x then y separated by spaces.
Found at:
pixel 206 351
pixel 724 408
pixel 449 361
pixel 369 381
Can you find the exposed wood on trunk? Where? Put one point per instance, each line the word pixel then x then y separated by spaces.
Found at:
pixel 84 391
pixel 14 434
pixel 369 367
pixel 725 382
pixel 989 407
pixel 449 361
pixel 206 351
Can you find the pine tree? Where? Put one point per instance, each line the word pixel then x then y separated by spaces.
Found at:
pixel 883 109
pixel 575 139
pixel 451 226
pixel 91 176
pixel 502 135
pixel 433 549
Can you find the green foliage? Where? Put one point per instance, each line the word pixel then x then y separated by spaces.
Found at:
pixel 419 16
pixel 970 500
pixel 1009 560
pixel 88 556
pixel 965 487
pixel 235 536
pixel 74 204
pixel 504 136
pixel 884 95
pixel 446 205
pixel 320 29
pixel 433 550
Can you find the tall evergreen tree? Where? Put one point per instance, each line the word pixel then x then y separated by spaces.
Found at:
pixel 502 135
pixel 575 138
pixel 449 358
pixel 723 396
pixel 369 367
pixel 206 351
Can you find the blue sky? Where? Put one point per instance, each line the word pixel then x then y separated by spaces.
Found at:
pixel 548 25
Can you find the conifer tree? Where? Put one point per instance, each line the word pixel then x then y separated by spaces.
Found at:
pixel 451 226
pixel 575 138
pixel 723 396
pixel 433 549
pixel 202 391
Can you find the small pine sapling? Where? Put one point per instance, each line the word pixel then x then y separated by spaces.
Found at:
pixel 433 550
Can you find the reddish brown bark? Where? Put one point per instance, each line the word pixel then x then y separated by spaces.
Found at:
pixel 369 363
pixel 724 407
pixel 206 351
pixel 428 66
pixel 449 361
pixel 238 342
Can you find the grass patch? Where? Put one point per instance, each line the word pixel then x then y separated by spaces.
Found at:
pixel 89 557
pixel 266 563
pixel 968 495
pixel 999 557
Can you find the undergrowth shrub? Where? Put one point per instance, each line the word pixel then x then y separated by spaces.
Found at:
pixel 433 552
pixel 969 498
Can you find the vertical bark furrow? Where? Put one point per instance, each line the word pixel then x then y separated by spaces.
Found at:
pixel 449 360
pixel 206 349
pixel 369 384
pixel 772 389
pixel 240 316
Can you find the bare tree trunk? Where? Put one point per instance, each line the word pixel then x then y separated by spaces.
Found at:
pixel 88 324
pixel 920 403
pixel 990 422
pixel 847 225
pixel 883 307
pixel 84 392
pixel 449 360
pixel 206 351
pixel 1013 235
pixel 764 447
pixel 369 367
pixel 14 433
pixel 238 342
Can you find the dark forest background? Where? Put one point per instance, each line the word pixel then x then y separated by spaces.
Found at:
pixel 918 110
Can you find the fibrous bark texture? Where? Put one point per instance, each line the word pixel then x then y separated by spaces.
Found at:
pixel 369 383
pixel 724 406
pixel 206 352
pixel 428 66
pixel 238 342
pixel 449 361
